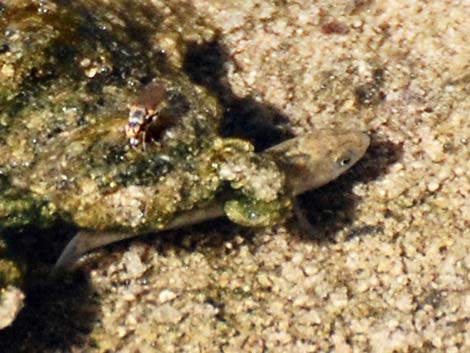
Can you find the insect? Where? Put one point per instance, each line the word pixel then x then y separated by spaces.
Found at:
pixel 143 112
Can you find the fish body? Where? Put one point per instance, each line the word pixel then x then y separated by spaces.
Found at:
pixel 307 162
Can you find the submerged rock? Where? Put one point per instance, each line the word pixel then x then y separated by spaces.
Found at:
pixel 63 149
pixel 68 70
pixel 71 72
pixel 11 302
pixel 11 277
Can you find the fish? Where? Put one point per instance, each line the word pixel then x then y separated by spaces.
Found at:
pixel 308 162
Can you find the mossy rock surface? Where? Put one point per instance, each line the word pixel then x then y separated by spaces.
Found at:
pixel 68 70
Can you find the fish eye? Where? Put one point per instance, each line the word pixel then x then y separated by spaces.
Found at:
pixel 344 161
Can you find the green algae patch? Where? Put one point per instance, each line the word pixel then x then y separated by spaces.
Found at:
pixel 11 273
pixel 68 71
pixel 64 150
pixel 254 213
pixel 20 208
pixel 257 197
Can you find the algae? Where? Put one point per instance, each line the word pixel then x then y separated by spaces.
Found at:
pixel 68 70
pixel 68 73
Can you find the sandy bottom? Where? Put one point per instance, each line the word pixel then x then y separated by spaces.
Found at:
pixel 387 269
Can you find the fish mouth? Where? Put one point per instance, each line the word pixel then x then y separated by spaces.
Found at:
pixel 361 144
pixel 359 139
pixel 365 140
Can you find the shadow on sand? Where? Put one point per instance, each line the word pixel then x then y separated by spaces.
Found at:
pixel 59 313
pixel 329 208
